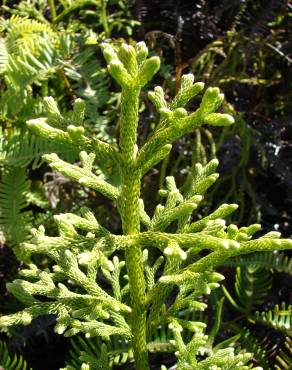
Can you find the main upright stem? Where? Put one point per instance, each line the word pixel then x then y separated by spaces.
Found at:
pixel 129 208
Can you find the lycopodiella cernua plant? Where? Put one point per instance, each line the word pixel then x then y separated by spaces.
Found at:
pixel 160 267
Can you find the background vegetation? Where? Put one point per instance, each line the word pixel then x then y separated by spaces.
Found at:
pixel 52 48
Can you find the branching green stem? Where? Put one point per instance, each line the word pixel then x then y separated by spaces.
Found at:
pixel 129 209
pixel 52 10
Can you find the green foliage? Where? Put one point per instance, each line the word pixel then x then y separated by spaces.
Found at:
pixel 253 345
pixel 29 57
pixel 253 282
pixel 177 270
pixel 92 351
pixel 251 286
pixel 239 52
pixel 279 318
pixel 14 220
pixel 37 58
pixel 23 33
pixel 7 362
pixel 284 359
pixel 90 82
pixel 18 149
pixel 275 261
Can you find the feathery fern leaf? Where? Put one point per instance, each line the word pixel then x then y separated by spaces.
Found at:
pixel 7 362
pixel 14 221
pixel 89 351
pixel 89 79
pixel 24 33
pixel 22 72
pixel 267 260
pixel 252 284
pixel 252 344
pixel 4 56
pixel 18 149
pixel 279 318
pixel 284 358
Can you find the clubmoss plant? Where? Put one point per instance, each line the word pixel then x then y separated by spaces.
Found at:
pixel 85 253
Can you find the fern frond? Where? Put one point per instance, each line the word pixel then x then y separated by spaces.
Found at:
pixel 90 82
pixel 252 344
pixel 14 188
pixel 160 338
pixel 266 260
pixel 4 56
pixel 279 318
pixel 32 9
pixel 26 69
pixel 89 79
pixel 284 358
pixel 252 285
pixel 22 72
pixel 18 149
pixel 89 351
pixel 7 362
pixel 24 33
